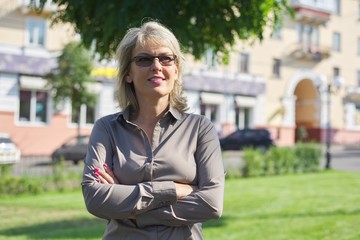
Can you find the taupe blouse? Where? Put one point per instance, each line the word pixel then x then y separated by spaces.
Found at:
pixel 185 148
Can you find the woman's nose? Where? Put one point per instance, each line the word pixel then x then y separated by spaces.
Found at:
pixel 156 64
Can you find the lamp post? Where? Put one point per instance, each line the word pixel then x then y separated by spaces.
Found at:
pixel 328 127
pixel 329 90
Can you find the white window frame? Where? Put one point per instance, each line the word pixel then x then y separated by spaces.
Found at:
pixel 83 116
pixel 336 46
pixel 276 68
pixel 244 62
pixel 33 102
pixel 35 30
pixel 210 59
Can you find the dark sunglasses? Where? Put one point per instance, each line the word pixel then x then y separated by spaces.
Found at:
pixel 147 61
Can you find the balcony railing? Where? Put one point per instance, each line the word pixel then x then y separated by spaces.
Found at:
pixel 314 12
pixel 309 52
pixel 28 6
pixel 326 6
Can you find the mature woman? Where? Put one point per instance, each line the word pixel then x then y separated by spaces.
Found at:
pixel 152 170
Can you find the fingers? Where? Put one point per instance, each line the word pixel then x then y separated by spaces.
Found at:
pixel 183 190
pixel 108 171
pixel 104 177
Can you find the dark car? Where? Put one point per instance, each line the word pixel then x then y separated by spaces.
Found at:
pixel 243 138
pixel 72 150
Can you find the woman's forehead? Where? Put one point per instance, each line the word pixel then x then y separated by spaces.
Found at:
pixel 152 48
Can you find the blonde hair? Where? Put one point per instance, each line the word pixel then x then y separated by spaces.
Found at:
pixel 154 33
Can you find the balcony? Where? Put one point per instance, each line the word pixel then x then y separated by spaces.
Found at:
pixel 314 12
pixel 301 51
pixel 28 6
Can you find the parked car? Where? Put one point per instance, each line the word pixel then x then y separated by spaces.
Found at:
pixel 9 152
pixel 242 138
pixel 74 149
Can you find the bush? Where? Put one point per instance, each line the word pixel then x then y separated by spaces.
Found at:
pixel 60 180
pixel 280 160
pixel 309 156
pixel 16 186
pixel 303 157
pixel 254 162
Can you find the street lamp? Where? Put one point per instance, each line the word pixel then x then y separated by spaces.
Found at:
pixel 329 88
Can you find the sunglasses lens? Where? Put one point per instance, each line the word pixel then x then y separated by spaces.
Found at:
pixel 144 61
pixel 166 60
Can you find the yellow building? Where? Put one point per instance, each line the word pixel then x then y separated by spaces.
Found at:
pixel 310 69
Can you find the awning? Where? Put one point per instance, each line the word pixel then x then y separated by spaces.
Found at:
pixel 30 82
pixel 224 85
pixel 243 101
pixel 211 98
pixel 353 94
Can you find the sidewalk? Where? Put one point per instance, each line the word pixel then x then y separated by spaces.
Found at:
pixel 344 157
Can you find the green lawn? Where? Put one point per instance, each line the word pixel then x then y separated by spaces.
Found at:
pixel 308 206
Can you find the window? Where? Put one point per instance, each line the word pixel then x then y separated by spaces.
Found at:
pixel 276 34
pixel 244 63
pixel 210 111
pixel 358 46
pixel 33 106
pixel 358 12
pixel 358 78
pixel 337 7
pixel 210 59
pixel 308 35
pixel 86 115
pixel 35 32
pixel 242 117
pixel 336 72
pixel 276 67
pixel 357 115
pixel 336 42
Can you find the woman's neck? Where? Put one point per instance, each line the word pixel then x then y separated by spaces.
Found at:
pixel 150 112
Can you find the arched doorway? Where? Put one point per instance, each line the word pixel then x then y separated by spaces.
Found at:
pixel 307 118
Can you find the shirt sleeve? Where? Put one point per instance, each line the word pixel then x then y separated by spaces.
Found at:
pixel 118 201
pixel 207 202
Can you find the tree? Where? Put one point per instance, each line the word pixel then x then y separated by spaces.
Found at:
pixel 72 78
pixel 199 24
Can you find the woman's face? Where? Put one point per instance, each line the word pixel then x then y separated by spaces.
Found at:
pixel 152 77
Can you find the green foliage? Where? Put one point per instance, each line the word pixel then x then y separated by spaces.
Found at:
pixel 303 157
pixel 302 133
pixel 309 155
pixel 16 186
pixel 60 181
pixel 280 160
pixel 5 170
pixel 72 78
pixel 200 25
pixel 254 162
pixel 59 174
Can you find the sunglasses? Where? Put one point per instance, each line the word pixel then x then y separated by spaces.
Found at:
pixel 147 61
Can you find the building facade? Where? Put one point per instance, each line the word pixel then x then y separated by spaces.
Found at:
pixel 306 77
pixel 300 83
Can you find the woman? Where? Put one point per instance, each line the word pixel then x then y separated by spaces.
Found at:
pixel 152 170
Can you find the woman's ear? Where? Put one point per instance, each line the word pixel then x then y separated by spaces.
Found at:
pixel 128 79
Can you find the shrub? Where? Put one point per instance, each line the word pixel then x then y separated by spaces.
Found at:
pixel 16 186
pixel 280 160
pixel 308 156
pixel 254 162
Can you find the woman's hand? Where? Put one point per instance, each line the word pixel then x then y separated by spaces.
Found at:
pixel 106 175
pixel 182 190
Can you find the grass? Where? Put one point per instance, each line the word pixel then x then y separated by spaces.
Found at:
pixel 306 206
